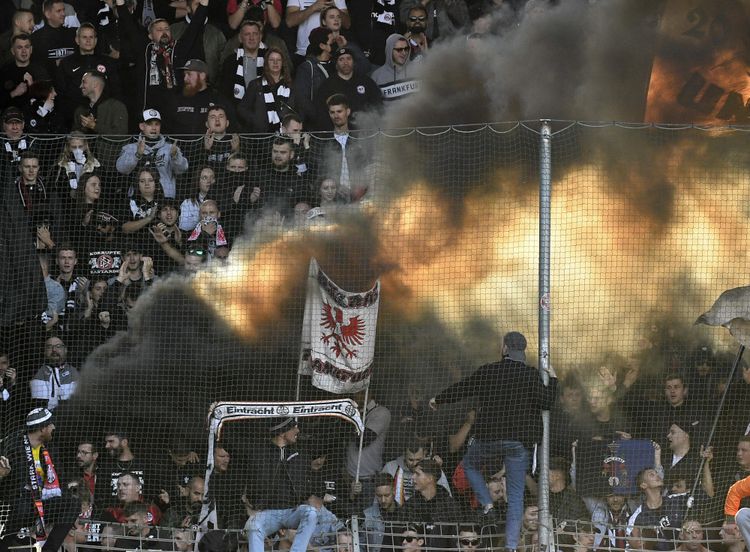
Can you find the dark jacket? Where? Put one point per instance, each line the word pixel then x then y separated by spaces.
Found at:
pixel 511 396
pixel 187 115
pixel 567 505
pixel 280 481
pixel 111 117
pixel 23 295
pixel 17 482
pixel 51 45
pixel 442 508
pixel 309 77
pixel 361 91
pixel 11 76
pixel 72 68
pixel 253 111
pixel 157 96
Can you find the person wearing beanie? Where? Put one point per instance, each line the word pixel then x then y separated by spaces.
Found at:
pixel 281 492
pixel 684 462
pixel 508 423
pixel 34 487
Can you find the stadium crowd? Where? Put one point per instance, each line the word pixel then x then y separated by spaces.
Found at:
pixel 93 218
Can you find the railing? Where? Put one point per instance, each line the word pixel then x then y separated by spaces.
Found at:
pixel 357 535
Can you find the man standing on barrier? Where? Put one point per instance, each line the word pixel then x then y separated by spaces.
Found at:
pixel 29 476
pixel 510 397
pixel 282 492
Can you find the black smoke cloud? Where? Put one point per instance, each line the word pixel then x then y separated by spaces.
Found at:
pixel 573 61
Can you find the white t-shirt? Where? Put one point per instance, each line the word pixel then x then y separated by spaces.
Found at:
pixel 312 22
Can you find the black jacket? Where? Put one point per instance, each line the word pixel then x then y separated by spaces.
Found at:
pixel 281 478
pixel 23 295
pixel 442 508
pixel 157 96
pixel 510 396
pixel 361 91
pixel 16 484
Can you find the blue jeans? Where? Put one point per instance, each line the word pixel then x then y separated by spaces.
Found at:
pixel 516 459
pixel 303 518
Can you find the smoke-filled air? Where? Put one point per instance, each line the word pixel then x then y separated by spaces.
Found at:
pixel 649 226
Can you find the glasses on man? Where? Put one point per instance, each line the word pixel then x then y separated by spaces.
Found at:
pixel 401 50
pixel 196 252
pixel 469 542
pixel 417 17
pixel 410 538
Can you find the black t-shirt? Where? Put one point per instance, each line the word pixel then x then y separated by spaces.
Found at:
pixel 108 474
pixel 665 520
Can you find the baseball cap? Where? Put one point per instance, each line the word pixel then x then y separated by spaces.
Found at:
pixel 343 51
pixel 151 114
pixel 38 418
pixel 12 114
pixel 688 425
pixel 196 65
pixel 516 344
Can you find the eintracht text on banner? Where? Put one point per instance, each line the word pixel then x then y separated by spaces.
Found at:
pixel 338 334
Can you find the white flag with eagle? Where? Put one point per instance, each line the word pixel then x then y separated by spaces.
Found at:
pixel 338 334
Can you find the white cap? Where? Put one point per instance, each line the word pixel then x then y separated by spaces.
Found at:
pixel 151 114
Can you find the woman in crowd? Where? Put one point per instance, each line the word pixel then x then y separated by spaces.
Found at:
pixel 75 161
pixel 269 97
pixel 190 207
pixel 143 208
pixel 79 212
pixel 328 199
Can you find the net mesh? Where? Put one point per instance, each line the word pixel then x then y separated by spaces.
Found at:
pixel 437 230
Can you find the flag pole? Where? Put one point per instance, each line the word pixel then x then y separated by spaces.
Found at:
pixel 362 435
pixel 710 439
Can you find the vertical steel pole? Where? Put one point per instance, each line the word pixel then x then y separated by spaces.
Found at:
pixel 546 540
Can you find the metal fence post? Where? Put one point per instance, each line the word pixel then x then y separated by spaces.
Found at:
pixel 546 540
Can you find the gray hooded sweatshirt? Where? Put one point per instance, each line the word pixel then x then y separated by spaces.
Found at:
pixel 395 81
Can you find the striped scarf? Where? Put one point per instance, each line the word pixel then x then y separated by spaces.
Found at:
pixel 239 74
pixel 272 102
pixel 103 15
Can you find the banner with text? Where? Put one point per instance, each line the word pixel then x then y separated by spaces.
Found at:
pixel 338 334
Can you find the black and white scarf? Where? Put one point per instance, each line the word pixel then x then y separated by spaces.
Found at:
pixel 103 15
pixel 239 74
pixel 15 153
pixel 142 210
pixel 272 101
pixel 157 75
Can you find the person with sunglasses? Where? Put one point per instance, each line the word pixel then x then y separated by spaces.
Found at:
pixel 416 25
pixel 468 539
pixel 395 78
pixel 445 18
pixel 412 538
